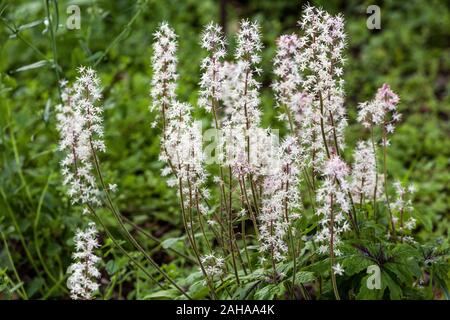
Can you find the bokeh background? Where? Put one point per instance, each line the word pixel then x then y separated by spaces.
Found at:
pixel 411 52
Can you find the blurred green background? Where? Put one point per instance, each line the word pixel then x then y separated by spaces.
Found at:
pixel 411 52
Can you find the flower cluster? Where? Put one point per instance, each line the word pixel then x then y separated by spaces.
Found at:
pixel 403 207
pixel 335 204
pixel 80 125
pixel 164 64
pixel 86 96
pixel 82 281
pixel 212 78
pixel 249 43
pixel 243 143
pixel 246 113
pixel 381 111
pixel 184 154
pixel 320 60
pixel 214 266
pixel 182 137
pixel 289 79
pixel 365 182
pixel 262 175
pixel 281 202
pixel 259 159
pixel 229 94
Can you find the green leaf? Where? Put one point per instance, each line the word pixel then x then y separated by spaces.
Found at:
pixel 30 25
pixel 171 242
pixel 111 267
pixel 243 293
pixel 199 290
pixel 162 295
pixel 320 267
pixel 114 265
pixel 402 272
pixel 304 277
pixel 13 289
pixel 405 251
pixel 355 263
pixel 47 108
pixel 34 286
pixel 395 292
pixel 270 291
pixel 35 65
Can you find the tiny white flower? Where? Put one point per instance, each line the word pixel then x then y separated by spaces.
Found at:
pixel 337 269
